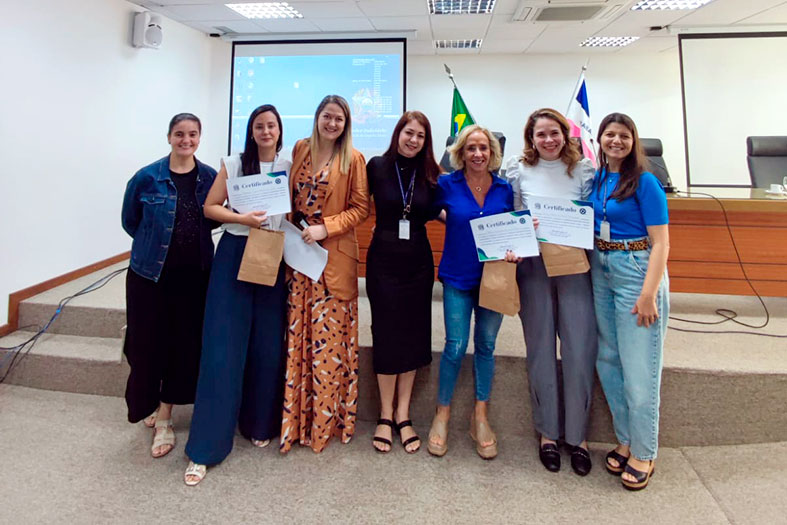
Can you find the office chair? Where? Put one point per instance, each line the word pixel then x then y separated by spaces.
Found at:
pixel 445 161
pixel 654 151
pixel 767 160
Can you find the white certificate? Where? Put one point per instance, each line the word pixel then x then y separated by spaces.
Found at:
pixel 265 192
pixel 496 234
pixel 309 259
pixel 563 221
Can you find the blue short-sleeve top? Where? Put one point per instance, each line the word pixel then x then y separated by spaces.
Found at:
pixel 459 266
pixel 629 218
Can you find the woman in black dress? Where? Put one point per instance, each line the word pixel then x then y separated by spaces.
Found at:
pixel 400 272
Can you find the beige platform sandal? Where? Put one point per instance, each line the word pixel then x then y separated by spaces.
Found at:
pixel 196 470
pixel 481 432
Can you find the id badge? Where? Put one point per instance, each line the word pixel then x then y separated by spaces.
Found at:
pixel 604 231
pixel 404 229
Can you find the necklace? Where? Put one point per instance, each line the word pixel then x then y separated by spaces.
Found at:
pixel 476 186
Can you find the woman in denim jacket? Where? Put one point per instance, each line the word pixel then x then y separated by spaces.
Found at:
pixel 631 295
pixel 168 275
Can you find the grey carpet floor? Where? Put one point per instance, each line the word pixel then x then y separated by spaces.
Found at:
pixel 72 458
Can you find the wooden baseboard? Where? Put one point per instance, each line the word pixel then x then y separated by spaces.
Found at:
pixel 17 297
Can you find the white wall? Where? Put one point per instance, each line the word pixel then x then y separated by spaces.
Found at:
pixel 82 110
pixel 502 90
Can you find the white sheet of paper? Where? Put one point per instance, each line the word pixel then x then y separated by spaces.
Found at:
pixel 495 234
pixel 265 192
pixel 563 221
pixel 308 259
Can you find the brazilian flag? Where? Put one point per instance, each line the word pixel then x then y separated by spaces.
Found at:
pixel 460 115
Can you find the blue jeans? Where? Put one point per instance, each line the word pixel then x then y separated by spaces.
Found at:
pixel 458 306
pixel 630 357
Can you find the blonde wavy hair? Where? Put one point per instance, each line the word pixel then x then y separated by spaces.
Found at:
pixel 343 147
pixel 457 148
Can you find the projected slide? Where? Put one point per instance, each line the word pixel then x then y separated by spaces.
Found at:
pixel 295 84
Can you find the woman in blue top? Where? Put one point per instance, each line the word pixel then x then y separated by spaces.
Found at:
pixel 631 295
pixel 171 256
pixel 473 190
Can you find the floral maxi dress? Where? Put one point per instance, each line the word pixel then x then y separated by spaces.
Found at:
pixel 321 380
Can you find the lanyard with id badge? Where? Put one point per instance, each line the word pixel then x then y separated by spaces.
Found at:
pixel 604 232
pixel 407 200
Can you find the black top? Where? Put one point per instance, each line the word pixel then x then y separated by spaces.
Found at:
pixel 184 246
pixel 384 188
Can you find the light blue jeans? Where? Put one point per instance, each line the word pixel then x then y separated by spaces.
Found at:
pixel 630 357
pixel 458 306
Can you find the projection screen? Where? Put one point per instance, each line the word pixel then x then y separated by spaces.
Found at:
pixel 295 75
pixel 733 87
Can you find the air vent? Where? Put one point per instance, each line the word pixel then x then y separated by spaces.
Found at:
pixel 458 44
pixel 223 29
pixel 569 13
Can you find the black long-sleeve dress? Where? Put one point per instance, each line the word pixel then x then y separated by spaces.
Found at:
pixel 400 273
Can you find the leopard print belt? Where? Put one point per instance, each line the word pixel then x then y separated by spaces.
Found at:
pixel 631 246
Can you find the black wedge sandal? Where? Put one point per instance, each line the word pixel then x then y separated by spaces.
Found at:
pixel 641 478
pixel 620 458
pixel 413 439
pixel 378 439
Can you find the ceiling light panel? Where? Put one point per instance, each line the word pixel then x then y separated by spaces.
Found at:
pixel 460 7
pixel 652 5
pixel 458 44
pixel 266 10
pixel 608 41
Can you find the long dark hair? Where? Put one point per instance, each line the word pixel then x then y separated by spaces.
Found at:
pixel 569 154
pixel 632 166
pixel 250 158
pixel 425 157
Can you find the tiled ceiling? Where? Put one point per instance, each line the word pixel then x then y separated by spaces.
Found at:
pixel 500 32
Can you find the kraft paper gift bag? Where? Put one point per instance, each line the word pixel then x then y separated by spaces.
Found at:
pixel 262 256
pixel 499 291
pixel 563 260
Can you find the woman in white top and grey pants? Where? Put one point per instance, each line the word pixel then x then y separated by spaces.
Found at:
pixel 552 166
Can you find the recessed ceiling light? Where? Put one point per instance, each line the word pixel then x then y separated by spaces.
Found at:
pixel 460 7
pixel 608 41
pixel 458 44
pixel 266 10
pixel 650 5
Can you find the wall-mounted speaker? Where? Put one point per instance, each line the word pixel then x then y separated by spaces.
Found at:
pixel 147 30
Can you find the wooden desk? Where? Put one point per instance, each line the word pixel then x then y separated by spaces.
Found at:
pixel 702 257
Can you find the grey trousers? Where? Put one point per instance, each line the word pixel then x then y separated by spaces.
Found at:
pixel 561 306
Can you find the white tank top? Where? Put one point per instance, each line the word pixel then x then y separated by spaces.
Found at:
pixel 234 170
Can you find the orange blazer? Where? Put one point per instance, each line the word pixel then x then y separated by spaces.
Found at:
pixel 346 206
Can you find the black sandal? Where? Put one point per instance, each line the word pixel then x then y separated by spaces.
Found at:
pixel 413 439
pixel 642 478
pixel 621 459
pixel 378 439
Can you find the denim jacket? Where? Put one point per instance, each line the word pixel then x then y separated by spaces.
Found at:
pixel 149 216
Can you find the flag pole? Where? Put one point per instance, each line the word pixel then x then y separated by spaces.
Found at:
pixel 450 75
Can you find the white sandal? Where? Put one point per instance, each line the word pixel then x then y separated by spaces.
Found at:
pixel 260 443
pixel 150 421
pixel 163 437
pixel 196 470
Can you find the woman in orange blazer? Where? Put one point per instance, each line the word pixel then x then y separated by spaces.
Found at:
pixel 330 197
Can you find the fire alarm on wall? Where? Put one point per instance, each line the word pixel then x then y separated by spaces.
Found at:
pixel 147 30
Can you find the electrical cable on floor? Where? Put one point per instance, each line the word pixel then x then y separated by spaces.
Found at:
pixel 17 353
pixel 727 314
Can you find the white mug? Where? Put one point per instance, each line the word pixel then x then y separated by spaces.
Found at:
pixel 777 188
